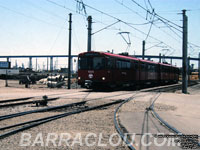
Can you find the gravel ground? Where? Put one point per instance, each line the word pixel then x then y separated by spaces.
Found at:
pixel 99 123
pixel 142 101
pixel 177 109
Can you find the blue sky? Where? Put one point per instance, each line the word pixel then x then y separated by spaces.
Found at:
pixel 41 27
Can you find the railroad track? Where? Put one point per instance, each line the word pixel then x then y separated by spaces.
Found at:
pixel 16 100
pixel 29 100
pixel 25 100
pixel 72 110
pixel 120 129
pixel 30 124
pixel 37 102
pixel 166 124
pixel 34 123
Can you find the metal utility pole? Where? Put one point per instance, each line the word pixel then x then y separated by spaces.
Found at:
pixel 69 55
pixel 30 63
pixel 36 64
pixel 184 47
pixel 163 59
pixel 51 64
pixel 89 46
pixel 143 49
pixel 189 68
pixel 159 57
pixel 199 66
pixel 47 63
pixel 6 81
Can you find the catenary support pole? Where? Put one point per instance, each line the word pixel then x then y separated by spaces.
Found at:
pixel 51 64
pixel 69 54
pixel 189 69
pixel 47 63
pixel 89 46
pixel 30 63
pixel 143 49
pixel 159 57
pixel 184 47
pixel 6 81
pixel 199 66
pixel 36 65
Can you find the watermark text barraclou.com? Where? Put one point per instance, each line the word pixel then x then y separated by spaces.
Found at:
pixel 103 140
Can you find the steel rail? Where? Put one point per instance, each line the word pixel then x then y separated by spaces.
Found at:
pixel 40 110
pixel 27 102
pixel 170 127
pixel 130 146
pixel 27 98
pixel 66 105
pixel 51 118
pixel 55 107
pixel 15 100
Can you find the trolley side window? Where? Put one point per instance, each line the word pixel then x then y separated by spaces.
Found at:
pixel 135 65
pixel 110 63
pixel 119 64
pixel 143 67
pixel 98 63
pixel 123 64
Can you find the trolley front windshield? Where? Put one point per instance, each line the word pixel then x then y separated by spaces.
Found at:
pixel 91 63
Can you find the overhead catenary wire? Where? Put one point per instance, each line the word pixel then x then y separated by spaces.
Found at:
pixel 68 9
pixel 153 46
pixel 150 27
pixel 194 44
pixel 119 20
pixel 71 10
pixel 102 13
pixel 58 34
pixel 111 17
pixel 155 20
pixel 152 22
pixel 150 4
pixel 28 16
pixel 159 17
pixel 131 25
pixel 130 9
pixel 106 27
pixel 44 10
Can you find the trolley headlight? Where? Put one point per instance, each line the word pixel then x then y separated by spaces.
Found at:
pixel 79 78
pixel 103 78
